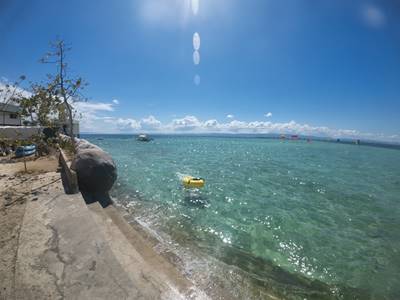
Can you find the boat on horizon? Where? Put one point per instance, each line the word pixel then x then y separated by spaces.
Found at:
pixel 143 138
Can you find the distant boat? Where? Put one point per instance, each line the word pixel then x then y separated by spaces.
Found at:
pixel 143 138
pixel 294 137
pixel 25 151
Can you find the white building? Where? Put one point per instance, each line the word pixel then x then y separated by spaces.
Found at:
pixel 13 127
pixel 9 115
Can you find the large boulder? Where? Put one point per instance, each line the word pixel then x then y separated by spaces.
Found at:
pixel 82 144
pixel 96 170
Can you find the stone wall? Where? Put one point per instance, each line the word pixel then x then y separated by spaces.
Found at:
pixel 19 132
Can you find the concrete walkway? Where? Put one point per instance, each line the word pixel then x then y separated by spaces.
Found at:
pixel 68 250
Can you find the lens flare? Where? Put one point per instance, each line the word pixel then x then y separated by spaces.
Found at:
pixel 196 79
pixel 196 41
pixel 196 57
pixel 195 6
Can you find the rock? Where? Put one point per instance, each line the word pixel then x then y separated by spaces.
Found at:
pixel 82 144
pixel 95 169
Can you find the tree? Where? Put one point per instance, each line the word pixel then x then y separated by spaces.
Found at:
pixel 64 87
pixel 10 93
pixel 41 106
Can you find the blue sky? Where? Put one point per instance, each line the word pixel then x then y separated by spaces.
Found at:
pixel 318 67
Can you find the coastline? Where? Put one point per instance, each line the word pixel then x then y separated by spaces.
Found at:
pixel 158 266
pixel 222 279
pixel 45 233
pixel 51 241
pixel 35 263
pixel 148 212
pixel 205 271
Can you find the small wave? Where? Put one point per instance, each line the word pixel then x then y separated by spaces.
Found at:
pixel 181 175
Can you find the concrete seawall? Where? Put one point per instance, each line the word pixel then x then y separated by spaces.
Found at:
pixel 68 249
pixel 70 177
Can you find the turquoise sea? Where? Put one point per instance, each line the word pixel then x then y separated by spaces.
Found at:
pixel 316 220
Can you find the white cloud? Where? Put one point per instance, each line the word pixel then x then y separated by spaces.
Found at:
pixel 211 124
pixel 268 115
pixel 93 121
pixel 150 123
pixel 373 16
pixel 83 107
pixel 186 123
pixel 193 125
pixel 96 118
pixel 93 116
pixel 127 124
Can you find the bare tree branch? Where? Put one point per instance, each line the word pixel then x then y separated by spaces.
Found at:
pixel 66 88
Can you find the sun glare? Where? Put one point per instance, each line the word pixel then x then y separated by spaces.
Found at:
pixel 195 6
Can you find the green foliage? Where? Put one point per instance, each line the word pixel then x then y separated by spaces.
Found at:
pixel 67 146
pixel 42 107
pixel 50 104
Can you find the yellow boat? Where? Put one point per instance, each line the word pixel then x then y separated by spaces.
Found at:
pixel 193 182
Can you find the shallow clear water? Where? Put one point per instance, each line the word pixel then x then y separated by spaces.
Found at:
pixel 317 210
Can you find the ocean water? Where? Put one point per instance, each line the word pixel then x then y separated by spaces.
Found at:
pixel 303 220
